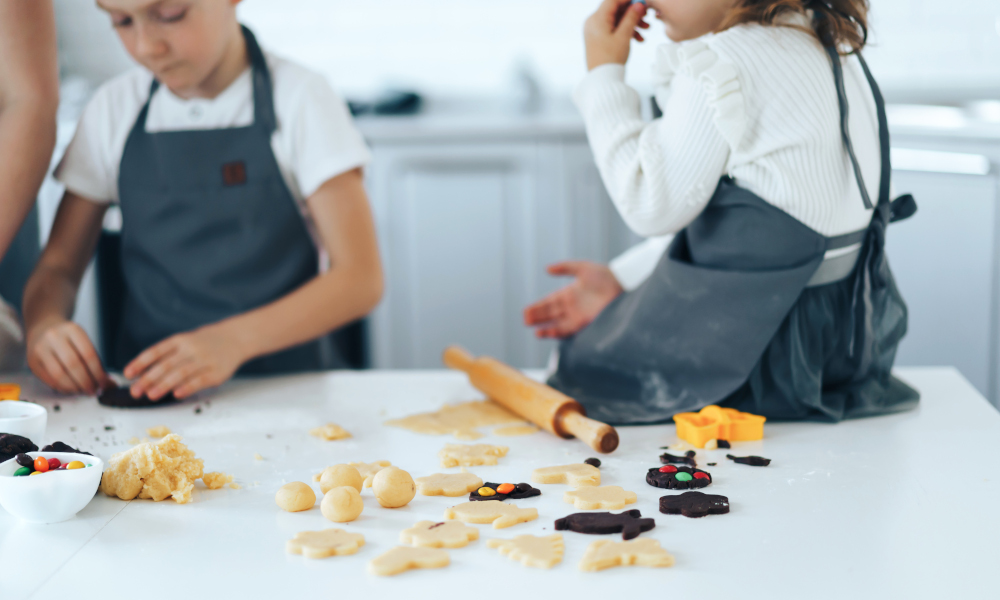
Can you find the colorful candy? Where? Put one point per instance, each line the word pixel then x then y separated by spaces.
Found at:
pixel 75 465
pixel 700 475
pixel 506 488
pixel 54 464
pixel 25 461
pixel 41 465
pixel 683 477
pixel 485 491
pixel 36 473
pixel 668 469
pixel 23 471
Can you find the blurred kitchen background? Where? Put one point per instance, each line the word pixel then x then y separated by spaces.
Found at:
pixel 492 178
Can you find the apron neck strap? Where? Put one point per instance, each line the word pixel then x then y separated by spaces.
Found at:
pixel 263 97
pixel 883 128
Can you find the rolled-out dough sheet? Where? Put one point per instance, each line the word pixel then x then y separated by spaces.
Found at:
pixel 459 420
pixel 515 430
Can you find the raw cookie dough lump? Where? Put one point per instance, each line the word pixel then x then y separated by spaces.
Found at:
pixel 393 487
pixel 11 445
pixel 161 470
pixel 503 491
pixel 688 459
pixel 678 478
pixel 753 461
pixel 295 497
pixel 342 504
pixel 694 504
pixel 340 475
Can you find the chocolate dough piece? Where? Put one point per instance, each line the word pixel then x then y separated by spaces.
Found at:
pixel 521 490
pixel 121 397
pixel 753 461
pixel 724 444
pixel 694 504
pixel 688 459
pixel 61 447
pixel 657 478
pixel 594 462
pixel 629 523
pixel 11 445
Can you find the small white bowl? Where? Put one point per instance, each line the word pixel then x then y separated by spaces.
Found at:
pixel 26 419
pixel 51 497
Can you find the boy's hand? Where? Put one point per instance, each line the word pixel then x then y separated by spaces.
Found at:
pixel 567 311
pixel 185 363
pixel 62 356
pixel 609 31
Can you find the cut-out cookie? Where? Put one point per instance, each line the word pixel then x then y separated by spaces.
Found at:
pixel 576 475
pixel 608 497
pixel 330 432
pixel 694 504
pixel 404 558
pixel 329 542
pixel 448 484
pixel 448 534
pixel 503 491
pixel 532 551
pixel 470 455
pixel 678 478
pixel 645 552
pixel 688 459
pixel 499 513
pixel 630 523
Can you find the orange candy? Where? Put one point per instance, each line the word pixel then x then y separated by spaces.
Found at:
pixel 505 488
pixel 41 465
pixel 717 423
pixel 10 391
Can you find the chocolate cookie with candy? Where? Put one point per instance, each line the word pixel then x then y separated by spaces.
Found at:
pixel 121 397
pixel 503 491
pixel 678 478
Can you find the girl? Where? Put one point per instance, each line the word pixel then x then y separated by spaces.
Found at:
pixel 771 165
pixel 231 167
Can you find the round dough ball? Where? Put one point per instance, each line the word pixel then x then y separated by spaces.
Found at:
pixel 340 475
pixel 393 487
pixel 342 504
pixel 295 496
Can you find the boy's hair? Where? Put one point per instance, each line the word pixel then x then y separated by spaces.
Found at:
pixel 839 23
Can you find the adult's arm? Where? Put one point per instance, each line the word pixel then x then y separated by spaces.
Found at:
pixel 29 97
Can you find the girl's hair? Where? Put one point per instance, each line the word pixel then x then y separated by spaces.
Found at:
pixel 838 23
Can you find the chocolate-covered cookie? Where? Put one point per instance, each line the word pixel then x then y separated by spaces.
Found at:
pixel 678 478
pixel 11 445
pixel 688 459
pixel 521 490
pixel 753 461
pixel 630 523
pixel 694 504
pixel 121 397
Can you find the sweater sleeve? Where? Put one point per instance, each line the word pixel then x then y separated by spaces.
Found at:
pixel 661 174
pixel 636 264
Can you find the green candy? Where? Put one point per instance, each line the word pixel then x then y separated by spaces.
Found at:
pixel 23 471
pixel 682 476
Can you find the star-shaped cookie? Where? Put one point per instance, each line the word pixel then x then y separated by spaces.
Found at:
pixel 644 552
pixel 328 542
pixel 447 534
pixel 694 504
pixel 608 497
pixel 404 558
pixel 576 475
pixel 330 432
pixel 500 514
pixel 630 523
pixel 532 551
pixel 448 484
pixel 470 455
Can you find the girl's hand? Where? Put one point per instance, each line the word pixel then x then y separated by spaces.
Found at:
pixel 185 363
pixel 62 356
pixel 567 311
pixel 609 31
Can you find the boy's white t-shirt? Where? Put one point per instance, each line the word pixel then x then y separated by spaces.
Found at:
pixel 315 140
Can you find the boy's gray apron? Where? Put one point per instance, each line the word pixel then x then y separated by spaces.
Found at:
pixel 210 230
pixel 743 310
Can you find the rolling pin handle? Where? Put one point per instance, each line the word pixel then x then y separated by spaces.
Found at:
pixel 457 357
pixel 599 436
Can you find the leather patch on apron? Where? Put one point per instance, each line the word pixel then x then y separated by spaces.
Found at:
pixel 234 173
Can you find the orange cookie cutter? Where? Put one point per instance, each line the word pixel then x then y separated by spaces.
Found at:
pixel 717 423
pixel 10 391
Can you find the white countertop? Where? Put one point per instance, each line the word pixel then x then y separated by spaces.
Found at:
pixel 904 506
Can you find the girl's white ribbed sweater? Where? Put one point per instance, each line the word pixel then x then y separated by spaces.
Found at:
pixel 755 102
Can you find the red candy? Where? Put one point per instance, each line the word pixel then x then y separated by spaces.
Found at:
pixel 668 469
pixel 41 465
pixel 700 475
pixel 54 464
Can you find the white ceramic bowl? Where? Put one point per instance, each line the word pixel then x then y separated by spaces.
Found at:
pixel 25 419
pixel 50 497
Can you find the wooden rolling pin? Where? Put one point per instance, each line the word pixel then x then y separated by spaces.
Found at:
pixel 552 411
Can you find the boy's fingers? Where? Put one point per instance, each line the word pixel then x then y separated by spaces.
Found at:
pixel 85 350
pixel 630 20
pixel 148 357
pixel 55 376
pixel 72 365
pixel 568 267
pixel 155 375
pixel 193 385
pixel 174 378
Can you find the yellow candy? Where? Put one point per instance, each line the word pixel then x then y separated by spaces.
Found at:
pixel 75 465
pixel 35 473
pixel 485 491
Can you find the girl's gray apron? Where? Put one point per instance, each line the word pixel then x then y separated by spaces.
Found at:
pixel 210 230
pixel 743 311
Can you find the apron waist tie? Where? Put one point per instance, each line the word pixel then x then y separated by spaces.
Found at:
pixel 841 256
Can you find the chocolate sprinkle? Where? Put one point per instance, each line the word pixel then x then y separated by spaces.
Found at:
pixel 594 462
pixel 712 464
pixel 753 461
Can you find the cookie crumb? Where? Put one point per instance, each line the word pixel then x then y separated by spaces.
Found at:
pixel 216 480
pixel 197 410
pixel 57 408
pixel 235 486
pixel 712 464
pixel 158 431
pixel 257 456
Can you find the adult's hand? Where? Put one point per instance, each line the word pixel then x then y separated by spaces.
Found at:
pixel 609 32
pixel 570 309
